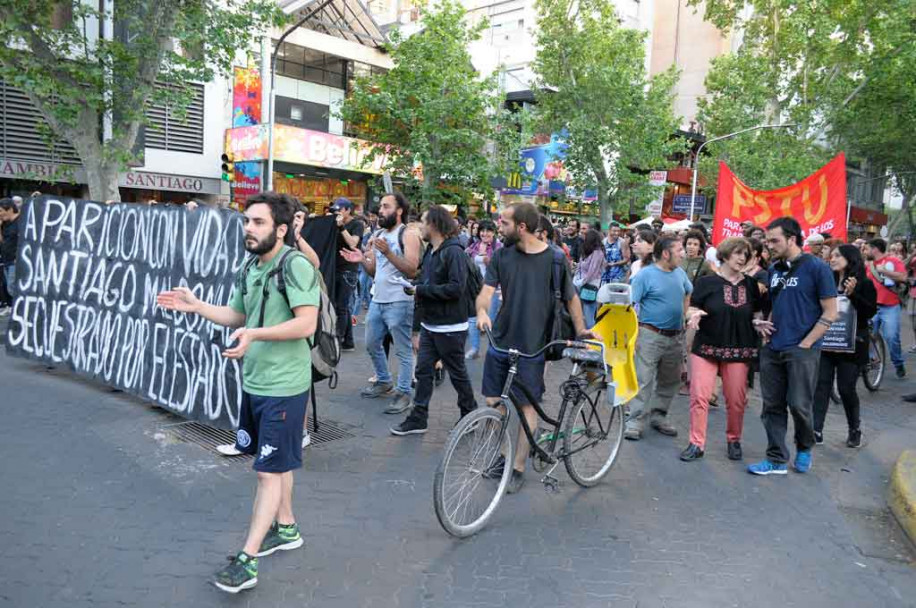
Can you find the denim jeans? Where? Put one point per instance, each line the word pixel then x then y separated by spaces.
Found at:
pixel 589 311
pixel 788 379
pixel 887 322
pixel 9 274
pixel 395 318
pixel 473 332
pixel 365 288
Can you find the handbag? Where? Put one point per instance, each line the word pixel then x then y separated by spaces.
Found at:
pixel 588 293
pixel 561 326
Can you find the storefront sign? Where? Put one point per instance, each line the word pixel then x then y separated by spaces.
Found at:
pixel 311 189
pixel 41 172
pixel 170 183
pixel 658 178
pixel 818 202
pixel 245 183
pixel 304 147
pixel 87 276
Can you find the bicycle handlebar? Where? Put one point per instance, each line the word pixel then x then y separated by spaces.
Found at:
pixel 568 343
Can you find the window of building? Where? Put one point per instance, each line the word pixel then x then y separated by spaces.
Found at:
pixel 302 114
pixel 23 129
pixel 166 130
pixel 311 65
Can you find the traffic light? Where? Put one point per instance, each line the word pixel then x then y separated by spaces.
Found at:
pixel 228 167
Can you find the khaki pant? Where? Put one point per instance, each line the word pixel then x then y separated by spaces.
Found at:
pixel 659 361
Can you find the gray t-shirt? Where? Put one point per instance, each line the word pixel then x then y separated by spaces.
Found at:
pixel 524 317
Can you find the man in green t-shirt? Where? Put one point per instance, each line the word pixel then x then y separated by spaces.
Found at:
pixel 272 334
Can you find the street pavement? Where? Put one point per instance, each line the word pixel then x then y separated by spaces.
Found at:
pixel 103 507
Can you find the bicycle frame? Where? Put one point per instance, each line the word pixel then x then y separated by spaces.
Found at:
pixel 506 397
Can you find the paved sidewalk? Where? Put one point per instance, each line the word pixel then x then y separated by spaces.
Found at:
pixel 102 509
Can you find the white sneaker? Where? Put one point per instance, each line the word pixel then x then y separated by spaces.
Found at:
pixel 306 439
pixel 373 379
pixel 228 449
pixel 5 311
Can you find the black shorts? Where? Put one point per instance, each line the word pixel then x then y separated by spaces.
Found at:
pixel 270 428
pixel 530 374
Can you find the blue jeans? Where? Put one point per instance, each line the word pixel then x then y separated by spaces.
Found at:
pixel 589 310
pixel 365 288
pixel 473 332
pixel 9 275
pixel 887 322
pixel 395 318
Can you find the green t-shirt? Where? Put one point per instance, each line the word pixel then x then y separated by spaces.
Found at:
pixel 277 369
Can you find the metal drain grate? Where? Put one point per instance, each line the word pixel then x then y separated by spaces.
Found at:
pixel 208 437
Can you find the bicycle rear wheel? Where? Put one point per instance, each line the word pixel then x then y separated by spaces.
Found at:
pixel 465 494
pixel 593 434
pixel 873 372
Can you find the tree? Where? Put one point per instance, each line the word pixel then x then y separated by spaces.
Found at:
pixel 80 81
pixel 799 63
pixel 592 84
pixel 878 122
pixel 442 127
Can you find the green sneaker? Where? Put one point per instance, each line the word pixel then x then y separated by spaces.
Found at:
pixel 241 573
pixel 281 538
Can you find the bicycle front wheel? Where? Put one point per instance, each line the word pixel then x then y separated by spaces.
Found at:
pixel 593 434
pixel 468 487
pixel 873 372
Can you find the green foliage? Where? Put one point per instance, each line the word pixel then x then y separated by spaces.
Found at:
pixel 799 63
pixel 432 115
pixel 159 48
pixel 592 83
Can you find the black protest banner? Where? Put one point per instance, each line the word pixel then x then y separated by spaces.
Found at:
pixel 87 276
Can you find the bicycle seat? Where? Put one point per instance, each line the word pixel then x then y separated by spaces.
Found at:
pixel 582 355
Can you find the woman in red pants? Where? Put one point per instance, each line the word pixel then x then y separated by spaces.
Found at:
pixel 722 309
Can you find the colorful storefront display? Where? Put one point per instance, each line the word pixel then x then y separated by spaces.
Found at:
pixel 303 147
pixel 318 194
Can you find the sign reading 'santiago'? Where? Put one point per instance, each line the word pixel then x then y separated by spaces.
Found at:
pixel 87 276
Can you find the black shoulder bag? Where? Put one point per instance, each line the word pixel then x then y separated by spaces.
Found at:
pixel 561 325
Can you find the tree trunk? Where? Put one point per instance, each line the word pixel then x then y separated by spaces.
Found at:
pixel 604 200
pixel 103 181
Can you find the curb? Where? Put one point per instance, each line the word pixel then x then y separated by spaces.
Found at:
pixel 901 495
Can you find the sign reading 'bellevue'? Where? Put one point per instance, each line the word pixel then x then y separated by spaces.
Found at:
pixel 303 147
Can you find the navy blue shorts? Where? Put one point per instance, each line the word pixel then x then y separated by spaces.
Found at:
pixel 530 373
pixel 270 428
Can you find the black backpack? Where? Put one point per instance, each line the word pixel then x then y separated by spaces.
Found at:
pixel 561 326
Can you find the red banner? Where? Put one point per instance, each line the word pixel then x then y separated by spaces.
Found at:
pixel 818 202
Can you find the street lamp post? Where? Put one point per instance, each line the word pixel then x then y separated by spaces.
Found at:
pixel 273 95
pixel 696 162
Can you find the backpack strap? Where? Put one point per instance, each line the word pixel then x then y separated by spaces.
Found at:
pixel 277 271
pixel 243 276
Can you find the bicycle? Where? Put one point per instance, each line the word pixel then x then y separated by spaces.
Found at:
pixel 586 436
pixel 873 371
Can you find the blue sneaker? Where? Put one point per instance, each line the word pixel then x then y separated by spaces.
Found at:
pixel 766 467
pixel 803 461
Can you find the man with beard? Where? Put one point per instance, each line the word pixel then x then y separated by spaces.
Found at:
pixel 572 238
pixel 393 256
pixel 272 335
pixel 523 270
pixel 803 295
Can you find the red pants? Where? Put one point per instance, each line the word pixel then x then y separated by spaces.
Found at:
pixel 702 385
